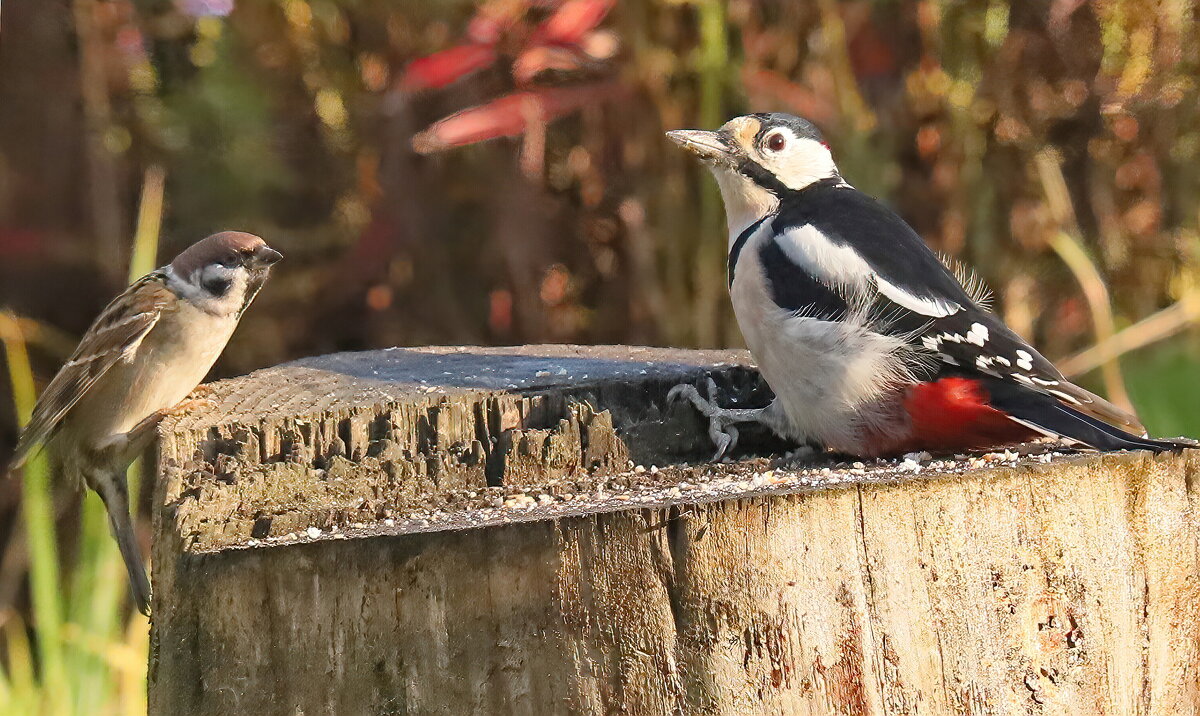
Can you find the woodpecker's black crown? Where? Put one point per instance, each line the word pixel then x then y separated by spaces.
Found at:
pixel 799 126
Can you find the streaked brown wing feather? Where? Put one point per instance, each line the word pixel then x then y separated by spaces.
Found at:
pixel 114 334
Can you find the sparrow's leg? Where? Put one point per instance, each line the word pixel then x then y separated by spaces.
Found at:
pixel 114 491
pixel 140 435
pixel 722 421
pixel 126 446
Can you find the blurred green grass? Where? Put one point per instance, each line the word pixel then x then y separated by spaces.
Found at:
pixel 87 658
pixel 1164 383
pixel 90 655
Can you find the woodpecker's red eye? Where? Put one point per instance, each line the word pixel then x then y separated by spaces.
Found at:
pixel 776 142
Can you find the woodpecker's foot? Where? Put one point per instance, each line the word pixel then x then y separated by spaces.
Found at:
pixel 721 421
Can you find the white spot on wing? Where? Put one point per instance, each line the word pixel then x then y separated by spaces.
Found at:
pixel 978 334
pixel 926 306
pixel 1024 360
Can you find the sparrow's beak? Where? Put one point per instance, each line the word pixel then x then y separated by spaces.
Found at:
pixel 265 257
pixel 709 146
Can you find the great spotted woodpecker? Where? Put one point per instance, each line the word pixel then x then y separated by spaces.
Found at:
pixel 872 345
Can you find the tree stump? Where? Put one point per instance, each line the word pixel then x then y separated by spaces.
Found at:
pixel 534 531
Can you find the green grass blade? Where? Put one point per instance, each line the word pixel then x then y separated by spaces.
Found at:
pixel 39 523
pixel 144 257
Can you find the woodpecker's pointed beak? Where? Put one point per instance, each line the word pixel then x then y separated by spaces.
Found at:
pixel 709 146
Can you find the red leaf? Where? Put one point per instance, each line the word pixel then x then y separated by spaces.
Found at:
pixel 507 116
pixel 570 22
pixel 493 18
pixel 444 67
pixel 21 242
pixel 532 62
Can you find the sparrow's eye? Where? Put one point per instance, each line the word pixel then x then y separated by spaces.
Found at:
pixel 776 142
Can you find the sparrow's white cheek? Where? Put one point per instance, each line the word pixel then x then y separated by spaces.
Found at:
pixel 216 280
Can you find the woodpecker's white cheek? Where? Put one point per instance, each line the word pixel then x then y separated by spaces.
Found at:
pixel 800 163
pixel 745 201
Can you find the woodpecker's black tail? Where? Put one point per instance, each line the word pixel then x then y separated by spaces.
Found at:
pixel 1048 415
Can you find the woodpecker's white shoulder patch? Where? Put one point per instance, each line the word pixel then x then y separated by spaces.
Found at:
pixel 842 266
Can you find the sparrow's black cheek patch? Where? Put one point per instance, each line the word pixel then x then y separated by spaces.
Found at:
pixel 217 286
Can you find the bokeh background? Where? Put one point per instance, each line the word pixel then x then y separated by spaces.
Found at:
pixel 1052 145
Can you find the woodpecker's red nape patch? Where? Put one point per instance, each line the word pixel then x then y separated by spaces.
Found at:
pixel 954 414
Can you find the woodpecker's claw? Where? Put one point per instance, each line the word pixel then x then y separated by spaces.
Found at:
pixel 721 421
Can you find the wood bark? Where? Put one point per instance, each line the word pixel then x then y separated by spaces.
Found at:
pixel 460 531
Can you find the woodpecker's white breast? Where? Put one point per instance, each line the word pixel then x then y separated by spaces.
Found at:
pixel 831 377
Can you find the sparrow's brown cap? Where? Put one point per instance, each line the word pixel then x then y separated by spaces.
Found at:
pixel 231 248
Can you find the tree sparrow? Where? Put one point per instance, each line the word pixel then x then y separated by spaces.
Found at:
pixel 145 353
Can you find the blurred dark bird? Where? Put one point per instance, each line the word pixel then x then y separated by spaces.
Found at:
pixel 144 354
pixel 871 344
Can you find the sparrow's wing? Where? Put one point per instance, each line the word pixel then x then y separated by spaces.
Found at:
pixel 114 336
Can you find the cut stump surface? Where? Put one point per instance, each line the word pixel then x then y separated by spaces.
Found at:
pixel 534 531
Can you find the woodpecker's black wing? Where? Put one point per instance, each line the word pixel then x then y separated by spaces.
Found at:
pixel 899 259
pixel 829 239
pixel 1020 382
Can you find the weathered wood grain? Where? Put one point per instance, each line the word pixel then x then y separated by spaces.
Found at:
pixel 371 546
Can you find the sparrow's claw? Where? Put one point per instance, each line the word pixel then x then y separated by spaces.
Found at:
pixel 189 405
pixel 204 390
pixel 721 421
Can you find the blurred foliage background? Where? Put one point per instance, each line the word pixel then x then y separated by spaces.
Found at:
pixel 1052 145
